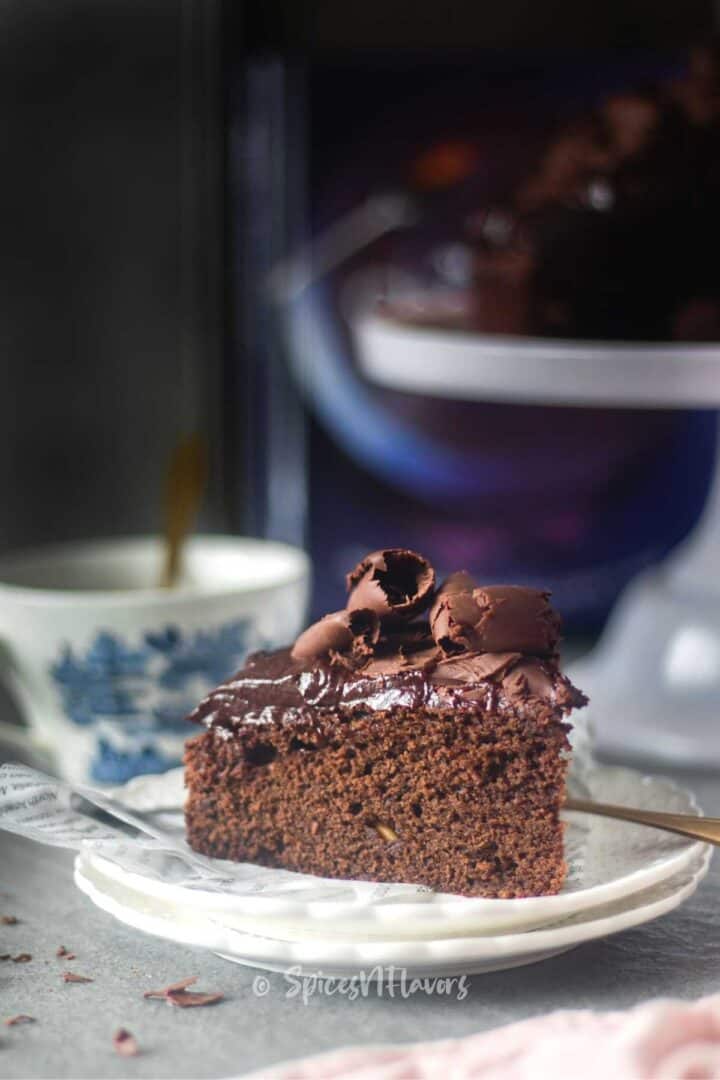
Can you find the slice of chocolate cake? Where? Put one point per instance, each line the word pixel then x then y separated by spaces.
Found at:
pixel 388 747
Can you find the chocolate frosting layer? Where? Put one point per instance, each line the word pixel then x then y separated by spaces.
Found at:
pixel 275 688
pixel 491 645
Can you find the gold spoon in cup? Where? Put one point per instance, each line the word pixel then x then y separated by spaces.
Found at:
pixel 184 489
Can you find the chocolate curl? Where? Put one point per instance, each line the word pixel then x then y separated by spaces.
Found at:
pixel 394 582
pixel 354 632
pixel 453 620
pixel 495 619
pixel 454 613
pixel 519 619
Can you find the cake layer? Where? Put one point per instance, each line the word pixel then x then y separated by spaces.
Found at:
pixel 464 803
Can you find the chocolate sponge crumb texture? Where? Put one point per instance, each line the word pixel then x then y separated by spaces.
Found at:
pixel 419 735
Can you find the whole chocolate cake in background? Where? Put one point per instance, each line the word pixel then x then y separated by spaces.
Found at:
pixel 611 234
pixel 418 736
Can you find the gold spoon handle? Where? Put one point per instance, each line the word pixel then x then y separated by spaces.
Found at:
pixel 185 485
pixel 698 828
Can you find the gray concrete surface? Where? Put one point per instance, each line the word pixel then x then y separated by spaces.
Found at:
pixel 678 955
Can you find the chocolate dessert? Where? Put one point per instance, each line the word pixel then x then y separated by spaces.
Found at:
pixel 611 232
pixel 419 735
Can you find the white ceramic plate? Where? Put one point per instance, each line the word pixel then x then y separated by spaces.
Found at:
pixel 191 926
pixel 608 861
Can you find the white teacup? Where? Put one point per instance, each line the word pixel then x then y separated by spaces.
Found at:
pixel 105 665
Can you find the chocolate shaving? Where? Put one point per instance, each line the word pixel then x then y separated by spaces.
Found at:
pixel 187 999
pixel 125 1044
pixel 351 632
pixel 21 1018
pixel 62 951
pixel 453 621
pixel 518 619
pixel 178 994
pixel 8 920
pixel 71 977
pixel 494 619
pixel 394 582
pixel 22 958
pixel 5 956
pixel 182 985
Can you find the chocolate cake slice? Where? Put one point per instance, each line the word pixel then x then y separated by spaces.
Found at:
pixel 387 746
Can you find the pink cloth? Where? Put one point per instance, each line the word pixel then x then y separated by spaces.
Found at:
pixel 661 1040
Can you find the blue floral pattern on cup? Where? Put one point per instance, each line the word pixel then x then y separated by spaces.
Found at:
pixel 137 698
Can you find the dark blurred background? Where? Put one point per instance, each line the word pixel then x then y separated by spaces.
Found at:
pixel 160 157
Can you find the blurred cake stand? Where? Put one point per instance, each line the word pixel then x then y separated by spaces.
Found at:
pixel 654 677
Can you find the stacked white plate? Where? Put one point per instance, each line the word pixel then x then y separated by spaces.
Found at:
pixel 620 876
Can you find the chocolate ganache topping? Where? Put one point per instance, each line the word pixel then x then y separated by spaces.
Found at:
pixel 495 644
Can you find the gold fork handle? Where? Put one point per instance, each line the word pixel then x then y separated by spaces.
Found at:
pixel 698 828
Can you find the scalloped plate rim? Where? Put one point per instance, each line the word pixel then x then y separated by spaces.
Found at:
pixel 442 955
